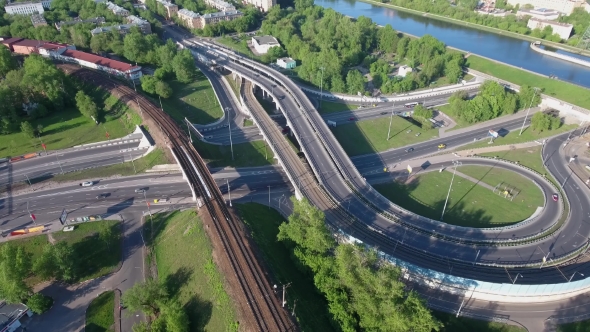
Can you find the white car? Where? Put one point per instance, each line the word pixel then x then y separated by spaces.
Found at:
pixel 87 183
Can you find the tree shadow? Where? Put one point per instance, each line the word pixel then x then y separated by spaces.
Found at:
pixel 199 312
pixel 154 225
pixel 60 129
pixel 93 254
pixel 176 280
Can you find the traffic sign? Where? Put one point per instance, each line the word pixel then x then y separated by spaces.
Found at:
pixel 63 217
pixel 33 217
pixel 44 147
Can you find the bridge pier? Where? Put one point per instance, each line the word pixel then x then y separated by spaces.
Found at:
pixel 184 175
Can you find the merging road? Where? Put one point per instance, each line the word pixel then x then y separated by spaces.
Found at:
pixel 45 165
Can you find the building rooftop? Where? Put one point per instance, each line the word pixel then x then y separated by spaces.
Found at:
pixel 222 14
pixel 98 60
pixel 567 25
pixel 286 59
pixel 188 13
pixel 21 3
pixel 115 7
pixel 28 43
pixel 266 40
pixel 166 3
pixel 10 312
pixel 95 20
pixel 113 27
pixel 38 19
pixel 136 20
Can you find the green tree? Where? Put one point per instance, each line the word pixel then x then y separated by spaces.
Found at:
pixel 166 54
pixel 39 303
pixel 148 83
pixel 528 97
pixel 65 261
pixel 86 105
pixel 27 129
pixel 15 265
pixel 146 297
pixel 306 228
pixel 355 82
pixel 163 89
pixel 387 39
pixel 175 316
pixel 184 66
pixel 422 112
pixel 7 62
pixel 106 233
pixel 540 122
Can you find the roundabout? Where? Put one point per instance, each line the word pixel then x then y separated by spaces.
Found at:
pixel 479 196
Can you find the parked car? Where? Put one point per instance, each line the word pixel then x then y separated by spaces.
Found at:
pixel 351 118
pixel 140 190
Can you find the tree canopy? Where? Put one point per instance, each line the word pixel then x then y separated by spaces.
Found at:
pixel 364 293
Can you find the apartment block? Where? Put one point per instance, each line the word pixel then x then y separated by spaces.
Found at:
pixel 171 9
pixel 262 5
pixel 190 19
pixel 220 5
pixel 24 8
pixel 117 10
pixel 564 30
pixel 564 6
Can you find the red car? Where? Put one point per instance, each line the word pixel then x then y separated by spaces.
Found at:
pixel 351 119
pixel 555 197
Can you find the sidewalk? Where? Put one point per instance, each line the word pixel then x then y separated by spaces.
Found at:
pixel 490 124
pixel 472 179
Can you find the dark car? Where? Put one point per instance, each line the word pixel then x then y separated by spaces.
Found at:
pixel 409 149
pixel 351 118
pixel 102 196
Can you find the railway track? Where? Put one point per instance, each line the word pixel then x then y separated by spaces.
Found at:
pixel 262 304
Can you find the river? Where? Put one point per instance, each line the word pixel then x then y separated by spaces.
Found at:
pixel 494 46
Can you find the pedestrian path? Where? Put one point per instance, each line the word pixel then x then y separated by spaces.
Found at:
pixel 472 179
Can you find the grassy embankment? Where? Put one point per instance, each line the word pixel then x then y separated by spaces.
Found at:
pixel 100 315
pixel 196 282
pixel 94 258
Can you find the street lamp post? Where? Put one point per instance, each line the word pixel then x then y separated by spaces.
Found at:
pixel 572 277
pixel 228 191
pixel 390 120
pixel 231 144
pixel 321 85
pixel 528 110
pixel 456 163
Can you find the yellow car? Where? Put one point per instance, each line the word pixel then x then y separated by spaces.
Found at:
pixel 442 146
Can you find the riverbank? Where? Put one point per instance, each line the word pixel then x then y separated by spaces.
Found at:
pixel 563 47
pixel 561 90
pixel 535 47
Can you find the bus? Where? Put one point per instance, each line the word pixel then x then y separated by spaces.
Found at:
pixel 411 105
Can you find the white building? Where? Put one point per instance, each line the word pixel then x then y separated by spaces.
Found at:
pixel 541 13
pixel 117 10
pixel 263 5
pixel 563 6
pixel 404 70
pixel 286 63
pixel 564 30
pixel 24 8
pixel 263 43
pixel 220 5
pixel 10 315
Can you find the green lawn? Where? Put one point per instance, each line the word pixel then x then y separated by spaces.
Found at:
pixel 332 107
pixel 100 316
pixel 63 130
pixel 235 86
pixel 311 309
pixel 156 157
pixel 248 123
pixel 95 258
pixel 469 204
pixel 451 114
pixel 369 136
pixel 528 135
pixel 561 90
pixel 465 324
pixel 529 157
pixel 183 252
pixel 240 46
pixel 250 154
pixel 583 326
pixel 195 101
pixel 529 196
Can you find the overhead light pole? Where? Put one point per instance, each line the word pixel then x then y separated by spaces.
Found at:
pixel 228 191
pixel 572 277
pixel 231 144
pixel 456 164
pixel 321 85
pixel 528 110
pixel 390 120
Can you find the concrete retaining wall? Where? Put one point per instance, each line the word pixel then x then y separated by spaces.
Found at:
pixel 560 56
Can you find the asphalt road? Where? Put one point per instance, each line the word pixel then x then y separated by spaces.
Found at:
pixel 56 162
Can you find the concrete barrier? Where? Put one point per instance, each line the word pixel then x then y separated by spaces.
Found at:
pixel 578 61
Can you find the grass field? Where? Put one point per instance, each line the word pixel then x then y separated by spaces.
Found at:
pixel 469 205
pixel 248 123
pixel 529 196
pixel 583 326
pixel 254 153
pixel 95 258
pixel 530 157
pixel 156 157
pixel 369 136
pixel 464 324
pixel 561 90
pixel 333 107
pixel 183 255
pixel 512 137
pixel 451 114
pixel 239 46
pixel 196 101
pixel 63 130
pixel 100 316
pixel 311 309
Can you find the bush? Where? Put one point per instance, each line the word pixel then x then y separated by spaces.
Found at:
pixel 39 303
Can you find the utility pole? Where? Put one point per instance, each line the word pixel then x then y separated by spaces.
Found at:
pixel 140 110
pixel 284 292
pixel 268 197
pixel 228 191
pixel 321 85
pixel 42 144
pixel 460 307
pixel 231 145
pixel 528 110
pixel 293 311
pixel 476 258
pixel 390 120
pixel 456 163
